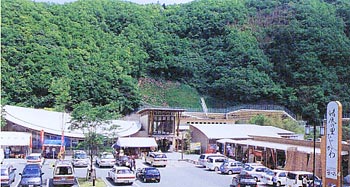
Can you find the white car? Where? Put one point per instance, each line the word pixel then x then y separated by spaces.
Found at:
pixel 255 171
pixel 295 178
pixel 63 173
pixel 281 176
pixel 156 159
pixel 35 158
pixel 121 175
pixel 80 158
pixel 203 158
pixel 214 163
pixel 105 160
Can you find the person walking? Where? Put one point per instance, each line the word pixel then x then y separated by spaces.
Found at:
pixel 274 180
pixel 304 181
pixel 133 164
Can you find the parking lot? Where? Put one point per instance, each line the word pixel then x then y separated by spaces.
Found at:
pixel 176 173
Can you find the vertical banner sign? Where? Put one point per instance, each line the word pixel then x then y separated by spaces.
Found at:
pixel 42 139
pixel 333 143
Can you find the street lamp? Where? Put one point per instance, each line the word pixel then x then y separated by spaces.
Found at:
pixel 307 132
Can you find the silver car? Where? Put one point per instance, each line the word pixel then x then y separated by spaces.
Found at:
pixel 105 160
pixel 8 174
pixel 80 159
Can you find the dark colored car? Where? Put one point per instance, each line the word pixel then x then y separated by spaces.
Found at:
pixel 148 174
pixel 243 180
pixel 31 175
pixel 8 174
pixel 123 161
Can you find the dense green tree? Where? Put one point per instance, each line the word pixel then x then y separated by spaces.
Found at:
pixel 288 52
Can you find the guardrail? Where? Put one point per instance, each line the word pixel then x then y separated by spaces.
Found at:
pixel 230 109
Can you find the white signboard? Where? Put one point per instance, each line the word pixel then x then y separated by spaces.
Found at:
pixel 332 140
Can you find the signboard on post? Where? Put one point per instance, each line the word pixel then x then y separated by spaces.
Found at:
pixel 333 144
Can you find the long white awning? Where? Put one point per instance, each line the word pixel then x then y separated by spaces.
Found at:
pixel 9 138
pixel 136 142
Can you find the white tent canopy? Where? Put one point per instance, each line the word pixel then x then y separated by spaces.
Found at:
pixel 8 138
pixel 136 142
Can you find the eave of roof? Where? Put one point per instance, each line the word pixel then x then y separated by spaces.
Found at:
pixel 160 109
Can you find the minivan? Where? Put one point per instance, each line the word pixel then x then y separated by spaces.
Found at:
pixel 295 178
pixel 214 163
pixel 63 173
pixel 202 160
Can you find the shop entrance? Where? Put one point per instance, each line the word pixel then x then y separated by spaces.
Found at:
pixel 164 145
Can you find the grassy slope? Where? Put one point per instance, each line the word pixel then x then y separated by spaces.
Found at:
pixel 168 94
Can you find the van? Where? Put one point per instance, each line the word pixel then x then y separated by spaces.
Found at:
pixel 202 160
pixel 63 173
pixel 295 178
pixel 214 163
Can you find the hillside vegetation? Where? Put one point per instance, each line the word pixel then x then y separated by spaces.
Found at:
pixel 292 53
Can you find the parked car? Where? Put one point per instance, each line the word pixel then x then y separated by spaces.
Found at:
pixel 63 173
pixel 243 180
pixel 255 171
pixel 156 159
pixel 32 175
pixel 252 164
pixel 35 158
pixel 80 158
pixel 148 174
pixel 122 174
pixel 123 161
pixel 295 178
pixel 8 174
pixel 214 163
pixel 2 155
pixel 202 160
pixel 231 167
pixel 105 159
pixel 268 175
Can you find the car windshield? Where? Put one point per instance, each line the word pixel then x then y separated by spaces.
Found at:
pixel 248 168
pixel 80 156
pixel 31 171
pixel 160 156
pixel 269 172
pixel 124 171
pixel 4 172
pixel 152 171
pixel 32 157
pixel 124 158
pixel 246 177
pixel 64 171
pixel 107 156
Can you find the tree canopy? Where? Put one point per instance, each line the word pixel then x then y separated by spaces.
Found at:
pixel 288 52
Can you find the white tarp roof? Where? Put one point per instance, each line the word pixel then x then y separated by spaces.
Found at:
pixel 52 122
pixel 137 142
pixel 240 131
pixel 9 138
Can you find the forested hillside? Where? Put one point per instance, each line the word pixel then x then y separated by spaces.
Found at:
pixel 288 52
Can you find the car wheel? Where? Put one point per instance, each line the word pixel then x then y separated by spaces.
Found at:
pixel 230 172
pixel 278 183
pixel 216 169
pixel 256 179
